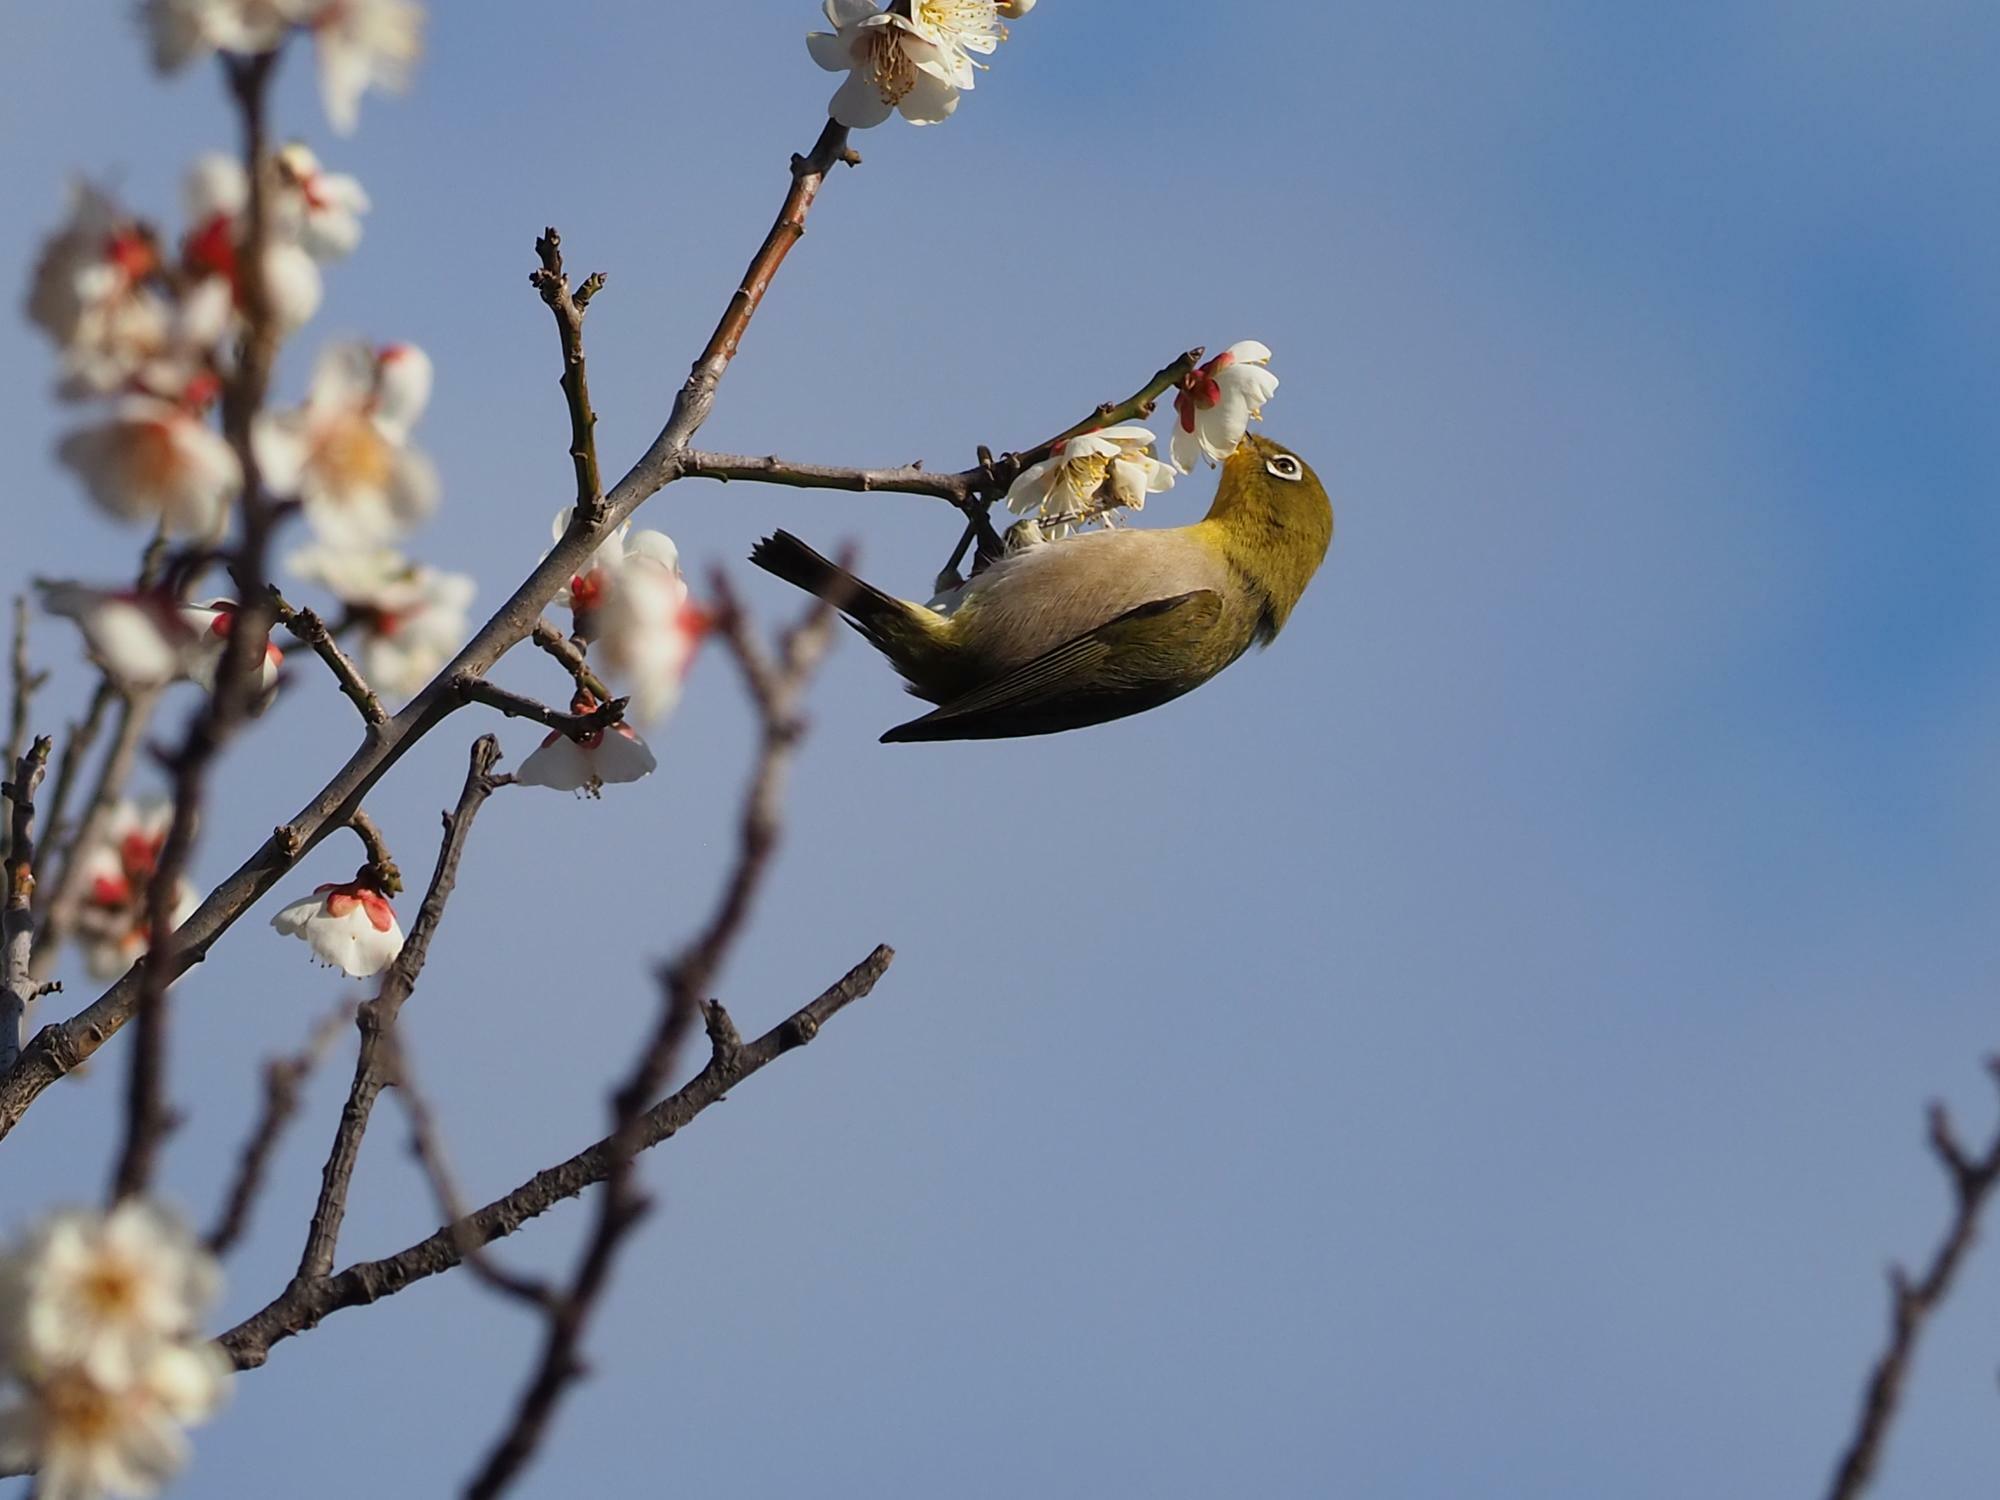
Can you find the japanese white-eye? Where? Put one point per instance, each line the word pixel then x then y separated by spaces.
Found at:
pixel 1061 634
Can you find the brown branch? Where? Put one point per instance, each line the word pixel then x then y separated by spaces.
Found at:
pixel 58 1049
pixel 570 656
pixel 1912 1303
pixel 17 918
pixel 307 628
pixel 515 706
pixel 553 283
pixel 374 1064
pixel 305 1304
pixel 777 687
pixel 26 683
pixel 381 871
pixel 284 1081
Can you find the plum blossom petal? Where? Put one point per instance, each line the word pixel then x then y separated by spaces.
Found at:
pixel 413 617
pixel 211 625
pixel 1218 402
pixel 892 64
pixel 320 210
pixel 84 1440
pixel 363 44
pixel 586 766
pixel 138 636
pixel 182 30
pixel 351 927
pixel 152 460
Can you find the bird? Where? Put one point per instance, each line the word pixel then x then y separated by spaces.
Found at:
pixel 1063 634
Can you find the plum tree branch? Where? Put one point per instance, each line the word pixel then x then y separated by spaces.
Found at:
pixel 306 1303
pixel 17 915
pixel 1912 1303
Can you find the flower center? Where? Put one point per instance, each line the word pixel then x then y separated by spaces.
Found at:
pixel 354 456
pixel 111 1290
pixel 889 66
pixel 1085 477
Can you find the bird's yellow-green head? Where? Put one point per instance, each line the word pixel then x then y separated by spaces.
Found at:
pixel 1273 520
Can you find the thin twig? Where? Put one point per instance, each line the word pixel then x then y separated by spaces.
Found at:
pixel 306 627
pixel 777 686
pixel 381 871
pixel 17 918
pixel 373 1066
pixel 305 1304
pixel 60 1048
pixel 69 766
pixel 553 283
pixel 26 683
pixel 515 706
pixel 1912 1303
pixel 570 656
pixel 284 1082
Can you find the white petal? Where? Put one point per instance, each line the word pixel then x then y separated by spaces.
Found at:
pixel 829 51
pixel 858 104
pixel 559 762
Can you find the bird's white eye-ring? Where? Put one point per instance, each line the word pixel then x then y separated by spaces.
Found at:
pixel 1284 466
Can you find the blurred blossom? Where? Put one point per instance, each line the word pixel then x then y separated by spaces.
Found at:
pixel 102 1291
pixel 345 453
pixel 210 626
pixel 156 461
pixel 183 30
pixel 218 195
pixel 632 604
pixel 321 210
pixel 1218 402
pixel 119 862
pixel 362 44
pixel 138 636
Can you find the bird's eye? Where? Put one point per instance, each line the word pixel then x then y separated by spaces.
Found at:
pixel 1284 466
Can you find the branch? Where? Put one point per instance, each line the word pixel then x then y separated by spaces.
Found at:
pixel 309 629
pixel 553 283
pixel 26 684
pixel 17 919
pixel 58 1049
pixel 777 687
pixel 570 656
pixel 374 1064
pixel 82 736
pixel 514 706
pixel 284 1080
pixel 1912 1303
pixel 305 1304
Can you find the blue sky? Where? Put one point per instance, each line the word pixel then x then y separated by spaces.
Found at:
pixel 1477 1047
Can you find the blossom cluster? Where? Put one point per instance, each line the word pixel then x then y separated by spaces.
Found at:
pixel 360 44
pixel 913 59
pixel 119 862
pixel 1088 479
pixel 102 1363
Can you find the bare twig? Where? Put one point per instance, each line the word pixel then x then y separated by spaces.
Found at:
pixel 382 871
pixel 374 1064
pixel 777 686
pixel 60 1048
pixel 570 656
pixel 309 629
pixel 553 283
pixel 17 918
pixel 69 766
pixel 306 1303
pixel 284 1080
pixel 515 706
pixel 1912 1303
pixel 26 683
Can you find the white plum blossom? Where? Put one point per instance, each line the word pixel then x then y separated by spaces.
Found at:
pixel 633 604
pixel 183 30
pixel 346 453
pixel 891 65
pixel 139 636
pixel 113 938
pixel 100 1291
pixel 95 294
pixel 1088 477
pixel 210 626
pixel 218 195
pixel 1218 402
pixel 319 209
pixel 84 1440
pixel 351 927
pixel 362 44
pixel 586 766
pixel 152 460
pixel 961 28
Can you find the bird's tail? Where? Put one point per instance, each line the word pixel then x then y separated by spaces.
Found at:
pixel 897 628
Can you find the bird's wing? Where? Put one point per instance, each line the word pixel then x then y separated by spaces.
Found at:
pixel 1121 667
